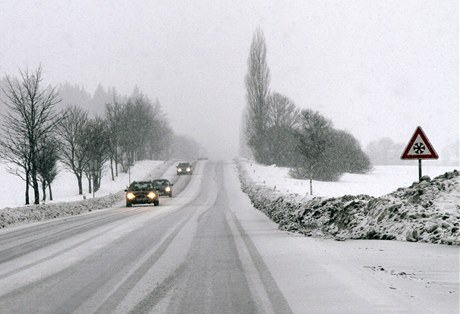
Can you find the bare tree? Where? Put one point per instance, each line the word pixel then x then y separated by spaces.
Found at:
pixel 313 137
pixel 344 154
pixel 98 151
pixel 15 153
pixel 30 118
pixel 114 119
pixel 283 119
pixel 160 133
pixel 74 146
pixel 47 159
pixel 136 127
pixel 145 131
pixel 257 90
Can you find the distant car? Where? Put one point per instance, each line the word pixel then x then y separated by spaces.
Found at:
pixel 163 187
pixel 141 192
pixel 184 168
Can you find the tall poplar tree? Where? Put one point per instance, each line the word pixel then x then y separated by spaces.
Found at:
pixel 257 91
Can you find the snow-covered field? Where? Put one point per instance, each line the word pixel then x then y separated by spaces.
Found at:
pixel 380 181
pixel 65 187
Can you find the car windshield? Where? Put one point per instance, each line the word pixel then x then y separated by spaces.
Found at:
pixel 160 182
pixel 136 186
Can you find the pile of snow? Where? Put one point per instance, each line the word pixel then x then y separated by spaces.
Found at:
pixel 66 201
pixel 428 211
pixel 41 212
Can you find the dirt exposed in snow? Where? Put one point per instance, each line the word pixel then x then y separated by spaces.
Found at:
pixel 428 211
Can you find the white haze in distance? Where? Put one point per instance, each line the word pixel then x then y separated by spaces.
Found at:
pixel 375 68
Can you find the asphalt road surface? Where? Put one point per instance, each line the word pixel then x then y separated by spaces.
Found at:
pixel 203 251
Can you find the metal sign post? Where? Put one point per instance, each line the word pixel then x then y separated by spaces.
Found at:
pixel 419 170
pixel 419 147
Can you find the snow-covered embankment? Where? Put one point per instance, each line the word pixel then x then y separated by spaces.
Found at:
pixel 428 211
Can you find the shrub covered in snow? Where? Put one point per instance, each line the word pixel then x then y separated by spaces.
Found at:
pixel 427 211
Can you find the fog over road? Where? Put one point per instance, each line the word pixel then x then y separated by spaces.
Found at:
pixel 204 251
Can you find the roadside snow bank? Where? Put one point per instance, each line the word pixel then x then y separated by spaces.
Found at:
pixel 33 213
pixel 428 211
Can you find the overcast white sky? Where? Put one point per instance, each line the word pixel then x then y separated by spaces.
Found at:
pixel 375 68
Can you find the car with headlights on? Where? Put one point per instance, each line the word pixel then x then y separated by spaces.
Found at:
pixel 141 192
pixel 184 168
pixel 163 187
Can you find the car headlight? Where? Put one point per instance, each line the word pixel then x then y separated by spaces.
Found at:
pixel 179 170
pixel 188 169
pixel 168 189
pixel 130 196
pixel 151 195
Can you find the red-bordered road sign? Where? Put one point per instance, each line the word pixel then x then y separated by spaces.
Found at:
pixel 419 147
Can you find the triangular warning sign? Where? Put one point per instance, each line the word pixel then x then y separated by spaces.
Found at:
pixel 419 147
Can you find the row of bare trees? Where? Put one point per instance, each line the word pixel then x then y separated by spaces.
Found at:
pixel 36 136
pixel 277 132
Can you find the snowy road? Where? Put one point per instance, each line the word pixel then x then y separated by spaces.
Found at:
pixel 208 251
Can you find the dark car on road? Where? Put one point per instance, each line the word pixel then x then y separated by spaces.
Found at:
pixel 141 192
pixel 163 187
pixel 184 168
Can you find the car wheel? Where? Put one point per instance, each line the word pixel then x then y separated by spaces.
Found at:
pixel 156 203
pixel 128 204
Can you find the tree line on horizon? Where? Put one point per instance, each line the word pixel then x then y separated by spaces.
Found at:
pixel 277 132
pixel 40 133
